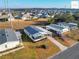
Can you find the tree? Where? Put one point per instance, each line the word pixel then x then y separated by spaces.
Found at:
pixel 59 18
pixel 76 15
pixel 64 17
pixel 51 20
pixel 69 18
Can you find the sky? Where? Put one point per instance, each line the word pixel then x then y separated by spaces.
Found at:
pixel 36 3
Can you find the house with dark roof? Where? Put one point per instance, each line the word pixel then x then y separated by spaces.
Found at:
pixel 36 33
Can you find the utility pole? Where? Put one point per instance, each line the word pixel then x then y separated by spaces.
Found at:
pixel 8 9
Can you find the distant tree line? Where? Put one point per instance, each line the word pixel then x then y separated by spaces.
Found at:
pixel 65 17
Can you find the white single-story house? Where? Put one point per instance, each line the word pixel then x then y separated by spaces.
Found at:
pixel 58 29
pixel 36 33
pixel 27 16
pixel 71 26
pixel 63 24
pixel 10 17
pixel 8 39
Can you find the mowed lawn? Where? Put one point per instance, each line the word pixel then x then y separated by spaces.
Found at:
pixel 32 52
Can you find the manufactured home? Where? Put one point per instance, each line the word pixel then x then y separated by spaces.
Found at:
pixel 71 26
pixel 57 29
pixel 8 39
pixel 36 33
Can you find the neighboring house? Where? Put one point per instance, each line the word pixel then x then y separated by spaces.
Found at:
pixel 0 13
pixel 36 33
pixel 63 24
pixel 4 18
pixel 42 15
pixel 27 16
pixel 10 17
pixel 57 29
pixel 17 17
pixel 71 26
pixel 8 39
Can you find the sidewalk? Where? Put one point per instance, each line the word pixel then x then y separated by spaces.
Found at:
pixel 62 47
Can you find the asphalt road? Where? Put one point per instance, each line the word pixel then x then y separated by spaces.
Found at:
pixel 71 53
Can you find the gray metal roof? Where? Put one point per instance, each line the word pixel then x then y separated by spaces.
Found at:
pixel 11 36
pixel 56 26
pixel 7 35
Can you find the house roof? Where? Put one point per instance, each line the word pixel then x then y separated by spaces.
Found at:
pixel 73 24
pixel 64 24
pixel 31 30
pixel 4 16
pixel 7 35
pixel 56 26
pixel 11 35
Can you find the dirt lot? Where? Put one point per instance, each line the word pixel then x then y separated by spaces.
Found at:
pixel 74 34
pixel 19 24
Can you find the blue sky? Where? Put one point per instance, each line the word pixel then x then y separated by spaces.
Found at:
pixel 36 3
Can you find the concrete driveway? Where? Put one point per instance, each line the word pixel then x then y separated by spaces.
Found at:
pixel 62 47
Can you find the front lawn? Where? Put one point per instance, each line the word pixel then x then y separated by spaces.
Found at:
pixel 32 50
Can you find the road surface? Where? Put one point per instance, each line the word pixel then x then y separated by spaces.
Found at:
pixel 70 53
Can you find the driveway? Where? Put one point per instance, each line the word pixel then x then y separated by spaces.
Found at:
pixel 62 47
